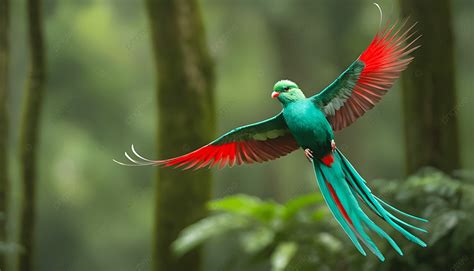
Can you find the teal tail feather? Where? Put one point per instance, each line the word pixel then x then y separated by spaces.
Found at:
pixel 344 190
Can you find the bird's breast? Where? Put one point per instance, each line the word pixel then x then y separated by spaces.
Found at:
pixel 309 126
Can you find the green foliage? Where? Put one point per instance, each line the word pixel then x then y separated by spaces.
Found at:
pixel 447 203
pixel 266 230
pixel 205 229
pixel 302 235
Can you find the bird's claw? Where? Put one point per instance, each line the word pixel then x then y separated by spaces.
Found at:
pixel 309 154
pixel 333 145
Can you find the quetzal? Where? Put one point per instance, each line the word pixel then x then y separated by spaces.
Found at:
pixel 309 124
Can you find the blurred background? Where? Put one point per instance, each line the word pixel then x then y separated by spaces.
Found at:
pixel 101 79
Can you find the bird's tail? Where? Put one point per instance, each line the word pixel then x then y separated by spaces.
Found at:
pixel 345 190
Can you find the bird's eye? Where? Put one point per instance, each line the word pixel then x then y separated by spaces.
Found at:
pixel 286 88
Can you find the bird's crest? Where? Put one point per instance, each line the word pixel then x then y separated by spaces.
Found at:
pixel 284 83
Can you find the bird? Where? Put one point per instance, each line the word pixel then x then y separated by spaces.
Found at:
pixel 309 124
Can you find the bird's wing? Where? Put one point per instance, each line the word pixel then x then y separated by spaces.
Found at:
pixel 258 142
pixel 366 80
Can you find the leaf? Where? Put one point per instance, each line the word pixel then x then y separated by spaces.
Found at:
pixel 329 241
pixel 319 214
pixel 205 229
pixel 257 239
pixel 247 206
pixel 294 206
pixel 282 255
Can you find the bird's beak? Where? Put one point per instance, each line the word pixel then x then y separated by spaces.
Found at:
pixel 275 94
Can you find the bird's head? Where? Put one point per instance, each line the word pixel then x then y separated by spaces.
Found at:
pixel 287 91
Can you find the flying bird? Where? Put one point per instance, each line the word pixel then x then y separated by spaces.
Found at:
pixel 309 123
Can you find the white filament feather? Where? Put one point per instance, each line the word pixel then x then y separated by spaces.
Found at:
pixel 139 156
pixel 144 161
pixel 381 14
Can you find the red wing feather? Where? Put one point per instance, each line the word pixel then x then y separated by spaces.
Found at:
pixel 258 142
pixel 248 152
pixel 384 60
pixel 234 152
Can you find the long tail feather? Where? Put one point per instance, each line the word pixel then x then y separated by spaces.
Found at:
pixel 338 214
pixel 343 189
pixel 372 202
pixel 400 212
pixel 357 191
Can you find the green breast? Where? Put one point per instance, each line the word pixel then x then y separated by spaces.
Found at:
pixel 309 126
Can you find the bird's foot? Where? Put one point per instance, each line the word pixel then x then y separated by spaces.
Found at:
pixel 333 145
pixel 309 154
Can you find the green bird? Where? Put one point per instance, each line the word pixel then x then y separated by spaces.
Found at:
pixel 309 124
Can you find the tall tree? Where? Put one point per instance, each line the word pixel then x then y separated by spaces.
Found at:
pixel 4 181
pixel 429 91
pixel 186 121
pixel 33 100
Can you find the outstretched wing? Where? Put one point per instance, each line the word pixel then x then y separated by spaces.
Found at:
pixel 258 142
pixel 364 83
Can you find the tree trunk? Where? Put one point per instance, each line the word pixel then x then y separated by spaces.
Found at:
pixel 29 132
pixel 4 181
pixel 429 92
pixel 186 121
